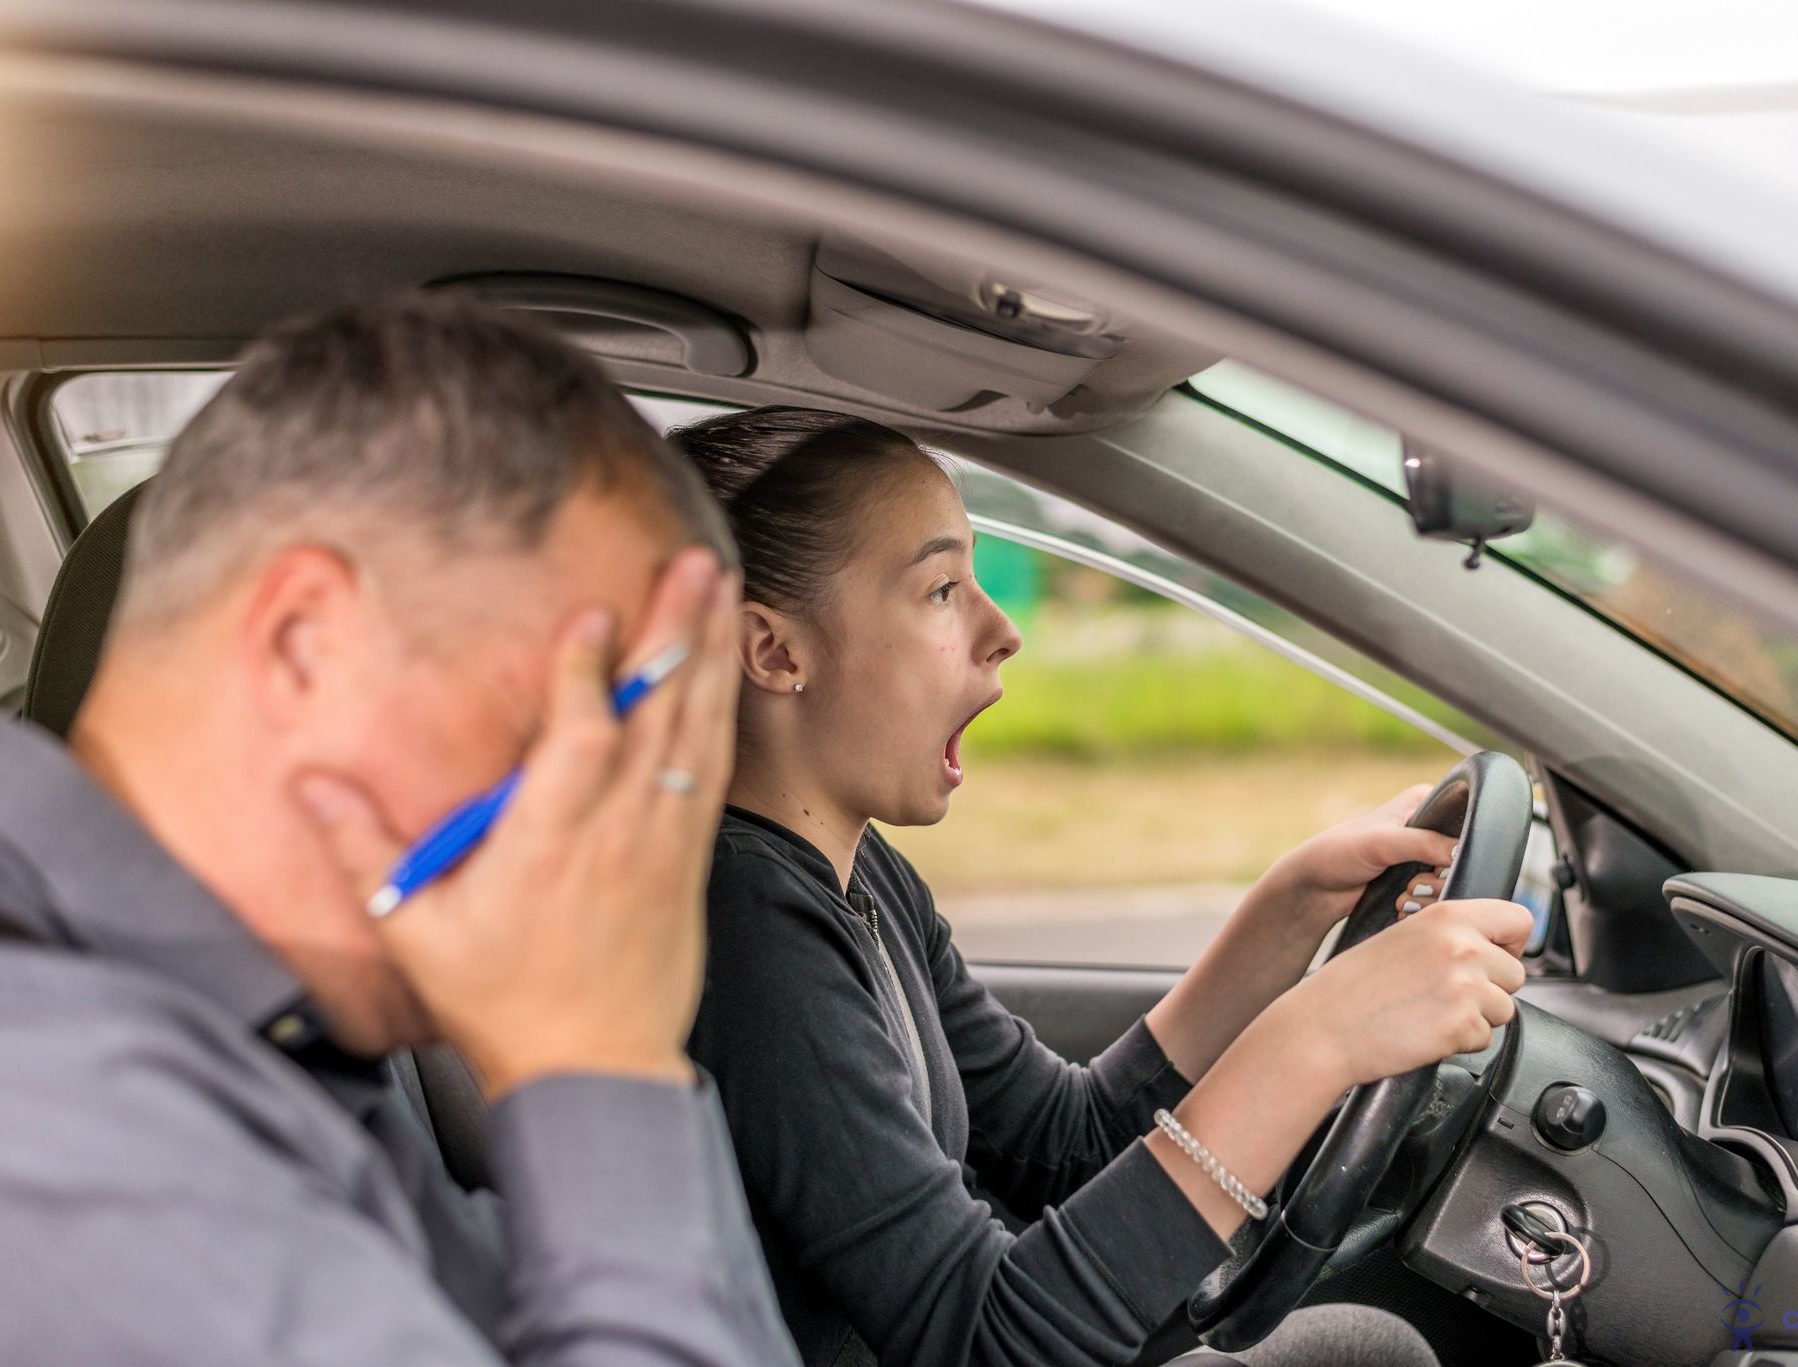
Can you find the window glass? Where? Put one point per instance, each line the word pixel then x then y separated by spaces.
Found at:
pixel 114 427
pixel 1736 652
pixel 1157 748
pixel 1301 418
pixel 18 631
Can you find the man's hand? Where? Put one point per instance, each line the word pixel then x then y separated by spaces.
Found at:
pixel 1323 878
pixel 572 939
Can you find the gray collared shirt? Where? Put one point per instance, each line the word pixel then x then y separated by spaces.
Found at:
pixel 176 1188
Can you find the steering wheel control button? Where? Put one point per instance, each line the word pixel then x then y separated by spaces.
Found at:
pixel 1569 1116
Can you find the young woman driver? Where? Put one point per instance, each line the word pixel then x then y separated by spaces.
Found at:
pixel 869 1080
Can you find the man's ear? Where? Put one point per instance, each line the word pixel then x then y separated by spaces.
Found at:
pixel 773 658
pixel 296 632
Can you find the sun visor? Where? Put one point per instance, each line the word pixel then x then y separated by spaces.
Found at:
pixel 945 335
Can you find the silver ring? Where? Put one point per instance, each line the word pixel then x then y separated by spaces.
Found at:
pixel 676 780
pixel 1573 1245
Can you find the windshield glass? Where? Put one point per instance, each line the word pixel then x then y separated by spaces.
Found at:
pixel 1735 652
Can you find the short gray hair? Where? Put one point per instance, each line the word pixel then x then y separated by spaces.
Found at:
pixel 429 412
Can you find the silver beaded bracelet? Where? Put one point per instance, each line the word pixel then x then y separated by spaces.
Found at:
pixel 1174 1130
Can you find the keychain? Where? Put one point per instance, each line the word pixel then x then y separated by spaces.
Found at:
pixel 1557 1314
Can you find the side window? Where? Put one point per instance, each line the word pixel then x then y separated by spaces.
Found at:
pixel 114 427
pixel 17 632
pixel 1164 737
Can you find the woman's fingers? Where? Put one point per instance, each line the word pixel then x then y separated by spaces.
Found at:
pixel 1422 891
pixel 1508 924
pixel 1497 1005
pixel 1404 806
pixel 1504 968
pixel 1412 845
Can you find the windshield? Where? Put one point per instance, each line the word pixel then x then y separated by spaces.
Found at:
pixel 1754 664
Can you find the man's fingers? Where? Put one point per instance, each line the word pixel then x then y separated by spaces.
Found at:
pixel 677 613
pixel 584 746
pixel 675 605
pixel 702 740
pixel 352 830
pixel 575 751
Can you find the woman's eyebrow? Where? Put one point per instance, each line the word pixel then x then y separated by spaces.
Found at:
pixel 936 546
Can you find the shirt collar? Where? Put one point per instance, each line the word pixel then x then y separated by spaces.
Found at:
pixel 103 884
pixel 807 855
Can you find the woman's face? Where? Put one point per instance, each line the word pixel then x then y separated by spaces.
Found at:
pixel 904 654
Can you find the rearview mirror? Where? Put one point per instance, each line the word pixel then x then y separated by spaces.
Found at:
pixel 1449 504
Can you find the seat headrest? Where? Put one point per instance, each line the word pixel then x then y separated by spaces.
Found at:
pixel 74 626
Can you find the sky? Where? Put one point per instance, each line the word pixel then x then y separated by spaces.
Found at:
pixel 1719 76
pixel 1602 46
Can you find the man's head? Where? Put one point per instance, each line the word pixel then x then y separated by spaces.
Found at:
pixel 354 562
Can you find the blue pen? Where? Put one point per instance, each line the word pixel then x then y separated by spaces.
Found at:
pixel 445 845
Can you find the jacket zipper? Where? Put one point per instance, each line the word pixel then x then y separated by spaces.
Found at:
pixel 911 1025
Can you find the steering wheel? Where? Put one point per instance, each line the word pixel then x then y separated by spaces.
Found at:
pixel 1486 798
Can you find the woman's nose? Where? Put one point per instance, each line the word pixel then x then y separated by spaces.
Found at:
pixel 1007 641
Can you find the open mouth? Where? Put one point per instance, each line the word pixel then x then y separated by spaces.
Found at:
pixel 952 750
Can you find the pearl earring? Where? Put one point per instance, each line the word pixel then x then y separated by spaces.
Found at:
pixel 799 688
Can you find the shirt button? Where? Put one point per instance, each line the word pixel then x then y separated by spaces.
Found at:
pixel 287 1031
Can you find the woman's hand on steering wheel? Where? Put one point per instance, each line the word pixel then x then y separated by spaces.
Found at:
pixel 1326 875
pixel 1434 984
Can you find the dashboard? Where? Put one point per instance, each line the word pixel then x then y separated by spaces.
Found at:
pixel 1750 1098
pixel 1777 988
pixel 1662 1128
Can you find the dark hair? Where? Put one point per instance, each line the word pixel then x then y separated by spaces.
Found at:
pixel 428 411
pixel 791 482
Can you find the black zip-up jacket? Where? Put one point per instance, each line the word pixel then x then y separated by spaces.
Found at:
pixel 869 1080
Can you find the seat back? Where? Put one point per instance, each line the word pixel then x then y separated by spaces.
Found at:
pixel 73 629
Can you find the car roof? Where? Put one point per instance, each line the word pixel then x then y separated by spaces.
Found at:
pixel 1730 214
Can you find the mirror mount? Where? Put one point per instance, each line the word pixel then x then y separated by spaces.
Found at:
pixel 1448 504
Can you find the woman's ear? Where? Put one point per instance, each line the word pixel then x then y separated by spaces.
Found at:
pixel 770 650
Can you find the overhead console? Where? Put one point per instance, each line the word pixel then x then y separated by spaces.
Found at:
pixel 945 334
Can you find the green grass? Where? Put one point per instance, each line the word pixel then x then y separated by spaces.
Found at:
pixel 1148 704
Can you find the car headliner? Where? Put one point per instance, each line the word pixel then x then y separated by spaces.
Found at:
pixel 150 238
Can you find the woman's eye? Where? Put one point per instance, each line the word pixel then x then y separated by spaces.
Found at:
pixel 940 594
